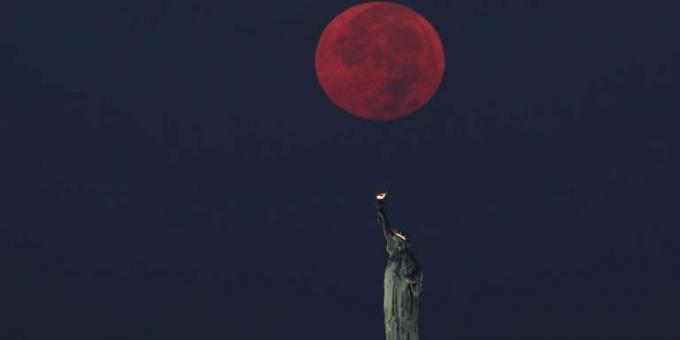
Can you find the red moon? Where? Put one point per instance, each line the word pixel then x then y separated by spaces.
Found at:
pixel 379 60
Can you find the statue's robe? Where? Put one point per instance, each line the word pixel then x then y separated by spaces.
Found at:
pixel 403 284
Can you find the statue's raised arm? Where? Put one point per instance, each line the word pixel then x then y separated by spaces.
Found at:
pixel 381 199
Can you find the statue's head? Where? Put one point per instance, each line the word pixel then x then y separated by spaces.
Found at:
pixel 401 236
pixel 399 243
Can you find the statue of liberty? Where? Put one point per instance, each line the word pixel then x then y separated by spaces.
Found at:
pixel 403 281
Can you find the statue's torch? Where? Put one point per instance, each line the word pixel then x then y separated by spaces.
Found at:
pixel 381 198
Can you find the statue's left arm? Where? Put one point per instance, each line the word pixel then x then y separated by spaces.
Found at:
pixel 410 270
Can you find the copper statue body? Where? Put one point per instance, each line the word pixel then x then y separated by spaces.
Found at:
pixel 403 281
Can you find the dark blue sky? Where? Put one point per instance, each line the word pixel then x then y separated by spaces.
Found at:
pixel 174 171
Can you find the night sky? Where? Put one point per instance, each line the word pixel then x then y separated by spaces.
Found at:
pixel 174 171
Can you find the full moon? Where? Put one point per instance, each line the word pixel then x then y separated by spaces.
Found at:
pixel 379 60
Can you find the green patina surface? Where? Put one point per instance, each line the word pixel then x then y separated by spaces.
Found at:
pixel 403 284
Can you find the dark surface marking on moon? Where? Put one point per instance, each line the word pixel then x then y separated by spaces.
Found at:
pixel 356 47
pixel 398 88
pixel 364 41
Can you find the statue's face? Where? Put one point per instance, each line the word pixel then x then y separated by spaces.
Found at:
pixel 399 243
